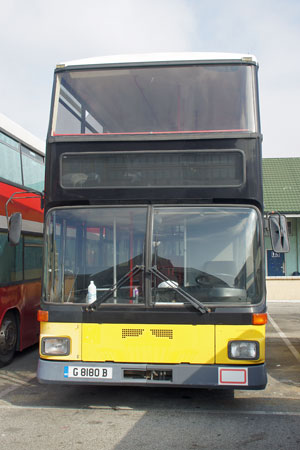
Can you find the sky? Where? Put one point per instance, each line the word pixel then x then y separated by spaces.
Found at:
pixel 35 35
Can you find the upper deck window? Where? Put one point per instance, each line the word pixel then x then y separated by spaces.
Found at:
pixel 21 165
pixel 162 99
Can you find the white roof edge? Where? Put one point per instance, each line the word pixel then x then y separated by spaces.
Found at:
pixel 19 133
pixel 161 57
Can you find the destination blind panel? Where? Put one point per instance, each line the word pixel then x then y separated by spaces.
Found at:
pixel 152 169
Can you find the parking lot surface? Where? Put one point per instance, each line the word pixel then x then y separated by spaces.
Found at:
pixel 89 417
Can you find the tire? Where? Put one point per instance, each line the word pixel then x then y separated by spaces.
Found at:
pixel 8 338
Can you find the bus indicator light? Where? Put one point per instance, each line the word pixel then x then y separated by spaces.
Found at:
pixel 259 319
pixel 42 316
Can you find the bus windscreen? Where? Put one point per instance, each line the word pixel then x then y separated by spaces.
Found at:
pixel 210 253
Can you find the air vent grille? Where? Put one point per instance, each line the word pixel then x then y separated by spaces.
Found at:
pixel 131 332
pixel 162 333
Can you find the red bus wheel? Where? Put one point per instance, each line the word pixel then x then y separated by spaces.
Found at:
pixel 8 339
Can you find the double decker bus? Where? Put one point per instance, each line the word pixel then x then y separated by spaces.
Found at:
pixel 154 255
pixel 21 183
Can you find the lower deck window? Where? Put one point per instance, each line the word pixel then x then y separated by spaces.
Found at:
pixel 22 262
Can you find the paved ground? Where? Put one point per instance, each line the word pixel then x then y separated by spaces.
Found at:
pixel 35 416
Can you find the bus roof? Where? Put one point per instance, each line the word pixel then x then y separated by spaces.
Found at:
pixel 19 133
pixel 161 58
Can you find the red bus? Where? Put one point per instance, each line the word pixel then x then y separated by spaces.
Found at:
pixel 21 183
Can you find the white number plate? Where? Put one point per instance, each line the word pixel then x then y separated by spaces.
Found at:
pixel 87 372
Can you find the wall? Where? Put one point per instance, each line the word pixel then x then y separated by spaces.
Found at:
pixel 283 288
pixel 292 259
pixel 286 287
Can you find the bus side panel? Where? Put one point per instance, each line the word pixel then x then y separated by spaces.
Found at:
pixel 25 299
pixel 227 333
pixel 29 304
pixel 144 343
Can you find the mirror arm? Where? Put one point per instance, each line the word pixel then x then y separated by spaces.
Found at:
pixel 21 195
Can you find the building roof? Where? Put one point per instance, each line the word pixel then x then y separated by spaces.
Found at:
pixel 281 183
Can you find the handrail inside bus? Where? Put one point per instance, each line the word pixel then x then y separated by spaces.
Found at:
pixel 152 132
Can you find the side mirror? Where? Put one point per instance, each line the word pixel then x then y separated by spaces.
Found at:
pixel 278 233
pixel 14 228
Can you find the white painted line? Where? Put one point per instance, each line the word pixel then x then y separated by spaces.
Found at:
pixel 285 339
pixel 244 412
pixel 290 302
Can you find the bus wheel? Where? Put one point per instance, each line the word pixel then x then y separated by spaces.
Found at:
pixel 8 338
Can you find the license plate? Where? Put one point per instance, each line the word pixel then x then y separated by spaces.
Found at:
pixel 87 372
pixel 234 377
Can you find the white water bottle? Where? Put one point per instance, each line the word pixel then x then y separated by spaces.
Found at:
pixel 92 292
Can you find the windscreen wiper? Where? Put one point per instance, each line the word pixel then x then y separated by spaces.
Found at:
pixel 132 272
pixel 194 301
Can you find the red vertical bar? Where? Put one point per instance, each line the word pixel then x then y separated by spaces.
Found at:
pixel 178 108
pixel 131 256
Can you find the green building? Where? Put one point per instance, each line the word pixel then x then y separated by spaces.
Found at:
pixel 281 182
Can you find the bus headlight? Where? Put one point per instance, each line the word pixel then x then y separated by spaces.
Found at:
pixel 55 346
pixel 243 350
